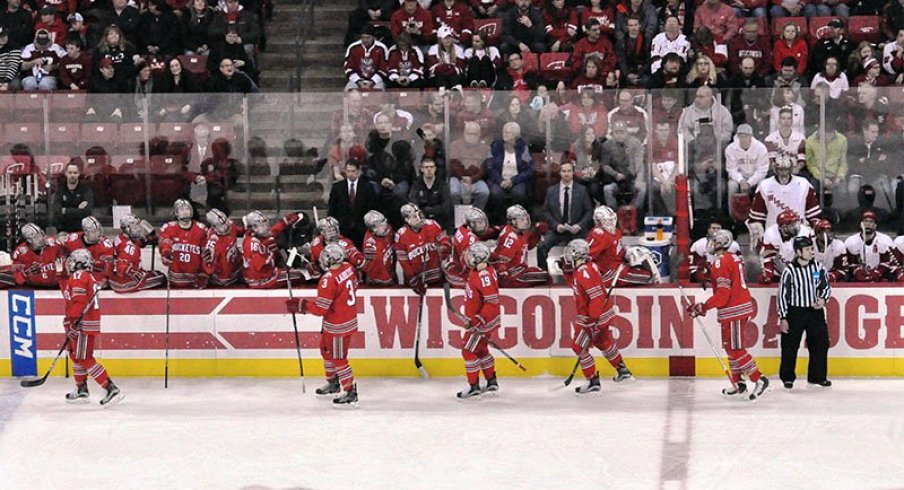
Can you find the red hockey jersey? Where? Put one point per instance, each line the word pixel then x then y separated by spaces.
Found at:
pixel 511 249
pixel 482 300
pixel 102 252
pixel 128 256
pixel 180 248
pixel 606 250
pixel 364 63
pixel 222 257
pixel 80 288
pixel 37 268
pixel 352 255
pixel 379 259
pixel 461 241
pixel 730 293
pixel 589 296
pixel 419 251
pixel 336 300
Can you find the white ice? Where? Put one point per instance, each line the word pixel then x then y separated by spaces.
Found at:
pixel 411 433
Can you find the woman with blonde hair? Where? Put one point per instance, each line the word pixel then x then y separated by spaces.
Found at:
pixel 113 45
pixel 446 60
pixel 790 45
pixel 703 73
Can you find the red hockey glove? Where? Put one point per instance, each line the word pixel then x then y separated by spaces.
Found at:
pixel 291 219
pixel 297 305
pixel 419 288
pixel 875 276
pixel 861 274
pixel 696 310
pixel 900 277
pixel 768 276
pixel 542 227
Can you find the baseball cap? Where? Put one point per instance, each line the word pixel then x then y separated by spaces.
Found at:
pixel 869 63
pixel 443 32
pixel 48 10
pixel 76 17
pixel 106 63
pixel 745 129
pixel 836 23
pixel 42 37
pixel 801 242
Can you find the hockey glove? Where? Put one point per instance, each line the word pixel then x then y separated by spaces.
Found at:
pixel 291 219
pixel 756 235
pixel 696 310
pixel 566 267
pixel 768 276
pixel 861 274
pixel 297 305
pixel 542 227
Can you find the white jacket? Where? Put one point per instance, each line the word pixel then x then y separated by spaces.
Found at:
pixel 750 165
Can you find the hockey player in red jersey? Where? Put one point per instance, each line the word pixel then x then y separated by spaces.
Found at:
pixel 34 258
pixel 607 252
pixel 259 258
pixel 830 251
pixel 419 245
pixel 80 290
pixel 221 254
pixel 594 312
pixel 128 276
pixel 510 256
pixel 329 233
pixel 92 238
pixel 700 258
pixel 181 242
pixel 870 253
pixel 476 228
pixel 336 302
pixel 732 300
pixel 379 254
pixel 483 312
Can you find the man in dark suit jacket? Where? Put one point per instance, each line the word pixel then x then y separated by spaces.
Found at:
pixel 350 200
pixel 565 226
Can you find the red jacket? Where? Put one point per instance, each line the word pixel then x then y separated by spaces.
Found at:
pixel 421 17
pixel 459 18
pixel 364 63
pixel 602 48
pixel 557 30
pixel 760 51
pixel 799 51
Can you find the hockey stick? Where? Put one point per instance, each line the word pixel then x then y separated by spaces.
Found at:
pixel 447 292
pixel 295 327
pixel 709 339
pixel 420 317
pixel 32 382
pixel 166 335
pixel 577 362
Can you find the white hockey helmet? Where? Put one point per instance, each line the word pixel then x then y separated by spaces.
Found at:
pixel 607 218
pixel 131 226
pixel 79 260
pixel 518 217
pixel 257 223
pixel 478 253
pixel 33 235
pixel 783 166
pixel 720 240
pixel 577 250
pixel 93 231
pixel 218 220
pixel 413 216
pixel 331 255
pixel 183 212
pixel 477 220
pixel 637 255
pixel 328 228
pixel 376 223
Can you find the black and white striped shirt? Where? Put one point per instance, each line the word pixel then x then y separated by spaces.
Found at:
pixel 800 285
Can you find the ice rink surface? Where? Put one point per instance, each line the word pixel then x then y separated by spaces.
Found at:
pixel 410 433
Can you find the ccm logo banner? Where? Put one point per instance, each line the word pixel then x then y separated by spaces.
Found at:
pixel 23 351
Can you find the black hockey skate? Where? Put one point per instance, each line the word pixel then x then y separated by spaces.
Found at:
pixel 113 395
pixel 592 386
pixel 470 392
pixel 820 385
pixel 736 392
pixel 622 373
pixel 491 388
pixel 760 388
pixel 348 400
pixel 78 395
pixel 329 389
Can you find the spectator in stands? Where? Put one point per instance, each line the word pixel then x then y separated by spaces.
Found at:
pixel 121 52
pixel 682 10
pixel 73 201
pixel 75 67
pixel 643 10
pixel 634 117
pixel 405 64
pixel 601 10
pixel 787 140
pixel 792 8
pixel 634 58
pixel 466 157
pixel 487 8
pixel 746 162
pixel 125 17
pixel 368 11
pixel 353 112
pixel 10 63
pixel 833 76
pixel 790 45
pixel 585 154
pixel 103 86
pixel 867 7
pixel 669 41
pixel 177 80
pixel 872 75
pixel 782 99
pixel 567 209
pixel 483 61
pixel 868 157
pixel 347 147
pixel 595 45
pixel 400 120
pixel 432 112
pixel 789 78
pixel 79 30
pixel 18 23
pixel 718 18
pixel 859 55
pixel 379 139
pixel 622 170
pixel 432 195
pixel 392 170
pixel 416 21
pixel 747 93
pixel 197 28
pixel 429 144
pixel 828 164
pixel 143 86
pixel 561 26
pixel 667 109
pixel 704 167
pixel 669 74
pixel 893 16
pixel 515 77
pixel 836 46
pixel 749 8
pixel 229 80
pixel 663 168
pixel 705 110
pixel 588 112
pixel 893 58
pixel 590 78
pixel 446 60
pixel 457 16
pixel 753 45
pixel 219 171
pixel 41 62
pixel 246 25
pixel 231 47
pixel 510 169
pixel 365 61
pixel 703 73
pixel 156 30
pixel 705 44
pixel 552 127
pixel 474 110
pixel 827 8
pixel 868 105
pixel 518 112
pixel 48 20
pixel 523 29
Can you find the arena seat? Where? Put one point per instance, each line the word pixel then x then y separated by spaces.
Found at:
pixel 176 132
pixel 63 137
pixel 133 134
pixel 167 181
pixel 555 66
pixel 864 28
pixel 819 29
pixel 27 133
pixel 100 134
pixel 531 61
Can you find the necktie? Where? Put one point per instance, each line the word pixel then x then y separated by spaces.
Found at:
pixel 566 208
pixel 351 193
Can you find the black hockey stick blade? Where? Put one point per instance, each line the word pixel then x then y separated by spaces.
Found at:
pixel 32 382
pixel 421 370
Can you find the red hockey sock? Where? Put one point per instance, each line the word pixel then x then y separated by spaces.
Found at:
pixel 344 371
pixel 488 365
pixel 472 366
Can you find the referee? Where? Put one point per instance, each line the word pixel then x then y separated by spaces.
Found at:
pixel 802 294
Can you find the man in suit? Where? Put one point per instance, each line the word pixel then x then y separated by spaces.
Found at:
pixel 350 200
pixel 569 212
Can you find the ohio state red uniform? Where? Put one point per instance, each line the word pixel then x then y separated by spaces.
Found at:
pixel 352 254
pixel 222 257
pixel 510 259
pixel 80 288
pixel 593 316
pixel 180 250
pixel 482 310
pixel 419 251
pixel 37 269
pixel 102 252
pixel 607 253
pixel 259 260
pixel 379 259
pixel 336 302
pixel 456 271
pixel 128 276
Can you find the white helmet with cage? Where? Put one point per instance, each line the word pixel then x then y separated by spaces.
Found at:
pixel 331 255
pixel 478 253
pixel 79 260
pixel 183 212
pixel 92 229
pixel 328 228
pixel 577 250
pixel 376 223
pixel 131 226
pixel 477 220
pixel 720 240
pixel 637 255
pixel 518 217
pixel 607 218
pixel 33 235
pixel 257 223
pixel 218 220
pixel 413 215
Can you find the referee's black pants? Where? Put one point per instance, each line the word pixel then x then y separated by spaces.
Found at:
pixel 813 322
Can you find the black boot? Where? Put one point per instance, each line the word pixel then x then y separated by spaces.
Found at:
pixel 78 395
pixel 622 373
pixel 470 392
pixel 592 386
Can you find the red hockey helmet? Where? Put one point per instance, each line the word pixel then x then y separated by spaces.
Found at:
pixel 786 217
pixel 822 226
pixel 869 215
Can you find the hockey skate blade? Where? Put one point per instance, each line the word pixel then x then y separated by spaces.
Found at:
pixel 625 381
pixel 345 406
pixel 79 401
pixel 113 401
pixel 328 397
pixel 589 394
